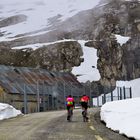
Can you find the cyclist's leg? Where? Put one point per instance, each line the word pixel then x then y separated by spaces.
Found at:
pixel 83 113
pixel 71 113
pixel 86 113
pixel 83 108
pixel 84 116
pixel 68 112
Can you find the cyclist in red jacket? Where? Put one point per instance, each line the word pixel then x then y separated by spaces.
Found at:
pixel 84 103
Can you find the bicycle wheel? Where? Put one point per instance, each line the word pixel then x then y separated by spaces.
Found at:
pixel 84 114
pixel 85 118
pixel 70 114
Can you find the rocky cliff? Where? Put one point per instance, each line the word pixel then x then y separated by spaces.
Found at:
pixel 118 62
pixel 99 25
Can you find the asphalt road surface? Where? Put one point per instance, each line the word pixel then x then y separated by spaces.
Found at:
pixel 54 126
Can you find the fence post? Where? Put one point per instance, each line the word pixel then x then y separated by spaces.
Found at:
pixel 52 98
pixel 25 100
pixel 48 88
pixel 111 94
pixel 98 101
pixel 124 92
pixel 91 103
pixel 64 93
pixel 38 97
pixel 130 92
pixel 104 98
pixel 120 94
pixel 44 108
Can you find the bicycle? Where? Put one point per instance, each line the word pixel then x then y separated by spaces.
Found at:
pixel 70 114
pixel 84 113
pixel 84 103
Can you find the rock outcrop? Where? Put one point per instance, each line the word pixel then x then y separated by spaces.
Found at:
pixel 56 57
pixel 118 62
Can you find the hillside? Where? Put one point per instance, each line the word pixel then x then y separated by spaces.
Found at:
pixel 42 28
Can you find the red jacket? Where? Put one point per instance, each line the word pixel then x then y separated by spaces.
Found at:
pixel 84 99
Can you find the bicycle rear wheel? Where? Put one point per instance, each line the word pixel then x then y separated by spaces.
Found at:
pixel 70 114
pixel 85 118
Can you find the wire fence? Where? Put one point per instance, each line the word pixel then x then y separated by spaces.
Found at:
pixel 119 93
pixel 52 96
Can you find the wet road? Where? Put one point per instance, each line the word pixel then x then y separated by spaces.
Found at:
pixel 54 126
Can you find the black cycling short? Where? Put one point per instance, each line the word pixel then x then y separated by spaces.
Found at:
pixel 68 107
pixel 84 105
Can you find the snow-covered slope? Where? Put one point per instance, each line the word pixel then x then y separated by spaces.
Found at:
pixel 41 14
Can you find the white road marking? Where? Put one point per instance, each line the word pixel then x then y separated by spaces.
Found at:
pixel 92 128
pixel 98 137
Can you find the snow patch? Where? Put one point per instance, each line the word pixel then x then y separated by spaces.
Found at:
pixel 124 112
pixel 88 69
pixel 8 111
pixel 122 39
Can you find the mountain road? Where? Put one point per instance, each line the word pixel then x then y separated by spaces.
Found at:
pixel 54 126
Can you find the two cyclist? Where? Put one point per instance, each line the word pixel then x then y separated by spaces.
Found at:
pixel 70 106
